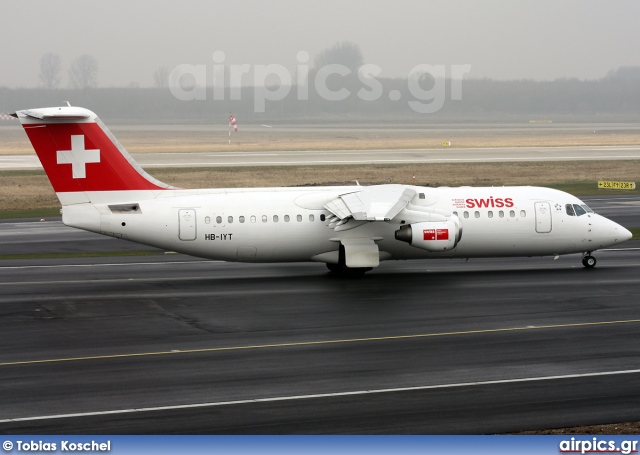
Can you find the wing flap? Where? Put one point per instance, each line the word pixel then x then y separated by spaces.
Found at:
pixel 338 208
pixel 375 203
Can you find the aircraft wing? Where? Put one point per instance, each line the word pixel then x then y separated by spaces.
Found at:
pixel 375 203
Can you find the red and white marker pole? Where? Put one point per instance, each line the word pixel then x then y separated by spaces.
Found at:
pixel 232 121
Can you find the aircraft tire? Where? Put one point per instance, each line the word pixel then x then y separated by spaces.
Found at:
pixel 355 272
pixel 349 272
pixel 589 261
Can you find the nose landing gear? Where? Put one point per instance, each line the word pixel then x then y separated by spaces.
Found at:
pixel 588 261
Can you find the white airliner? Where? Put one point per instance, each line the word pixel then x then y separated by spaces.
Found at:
pixel 349 228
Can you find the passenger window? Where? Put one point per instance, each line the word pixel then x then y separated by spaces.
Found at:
pixel 207 220
pixel 241 218
pixel 523 214
pixel 219 219
pixel 322 217
pixel 569 209
pixel 312 218
pixel 512 213
pixel 477 214
pixel 466 214
pixel 490 213
pixel 299 218
pixel 286 218
pixel 420 195
pixel 455 213
pixel 579 210
pixel 275 218
pixel 501 214
pixel 253 218
pixel 264 218
pixel 230 219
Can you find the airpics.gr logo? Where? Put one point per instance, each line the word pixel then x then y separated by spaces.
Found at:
pixel 596 445
pixel 274 82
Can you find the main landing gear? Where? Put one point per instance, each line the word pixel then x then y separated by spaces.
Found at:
pixel 588 261
pixel 341 267
pixel 351 272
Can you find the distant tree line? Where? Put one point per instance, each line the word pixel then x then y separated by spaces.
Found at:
pixel 615 96
pixel 83 72
pixel 482 100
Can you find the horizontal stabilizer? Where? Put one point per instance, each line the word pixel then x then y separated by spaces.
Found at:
pixel 53 113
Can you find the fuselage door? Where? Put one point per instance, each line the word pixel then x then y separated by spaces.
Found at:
pixel 543 217
pixel 187 224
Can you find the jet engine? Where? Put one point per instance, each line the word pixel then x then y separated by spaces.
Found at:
pixel 432 235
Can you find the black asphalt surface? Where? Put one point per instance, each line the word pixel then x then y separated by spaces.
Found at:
pixel 171 344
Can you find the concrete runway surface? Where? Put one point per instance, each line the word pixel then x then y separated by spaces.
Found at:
pixel 328 157
pixel 172 344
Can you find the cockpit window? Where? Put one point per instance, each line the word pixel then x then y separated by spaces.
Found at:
pixel 579 210
pixel 584 206
pixel 569 209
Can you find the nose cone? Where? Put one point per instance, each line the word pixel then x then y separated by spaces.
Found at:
pixel 620 234
pixel 608 233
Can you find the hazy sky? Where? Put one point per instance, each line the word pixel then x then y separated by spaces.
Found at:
pixel 500 39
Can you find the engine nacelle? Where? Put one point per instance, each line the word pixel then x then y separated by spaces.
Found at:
pixel 432 236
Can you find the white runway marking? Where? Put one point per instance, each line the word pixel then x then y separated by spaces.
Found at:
pixel 319 395
pixel 244 154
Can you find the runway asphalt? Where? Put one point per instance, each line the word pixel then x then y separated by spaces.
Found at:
pixel 327 157
pixel 171 344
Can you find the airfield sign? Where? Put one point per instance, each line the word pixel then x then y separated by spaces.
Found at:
pixel 606 185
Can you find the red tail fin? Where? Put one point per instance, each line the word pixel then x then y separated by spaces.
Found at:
pixel 79 153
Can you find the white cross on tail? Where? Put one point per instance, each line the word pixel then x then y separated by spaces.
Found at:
pixel 78 157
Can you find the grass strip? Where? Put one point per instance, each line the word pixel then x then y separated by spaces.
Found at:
pixel 588 189
pixel 30 213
